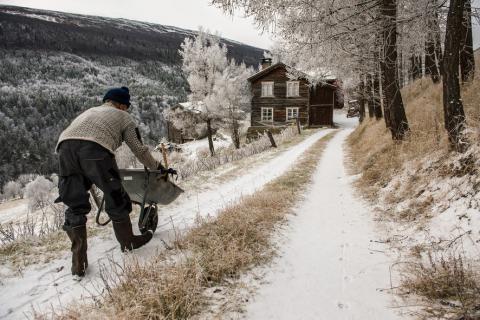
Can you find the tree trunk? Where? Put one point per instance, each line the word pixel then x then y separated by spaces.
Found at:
pixel 467 61
pixel 210 138
pixel 398 119
pixel 235 134
pixel 433 50
pixel 438 41
pixel 416 67
pixel 361 99
pixel 400 70
pixel 377 106
pixel 386 104
pixel 452 102
pixel 369 94
pixel 430 64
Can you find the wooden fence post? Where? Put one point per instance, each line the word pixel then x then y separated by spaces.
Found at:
pixel 272 141
pixel 298 125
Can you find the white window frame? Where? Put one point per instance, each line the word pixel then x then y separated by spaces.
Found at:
pixel 293 88
pixel 294 113
pixel 264 114
pixel 267 88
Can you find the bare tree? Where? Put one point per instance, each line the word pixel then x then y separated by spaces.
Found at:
pixel 361 97
pixel 452 102
pixel 397 117
pixel 467 59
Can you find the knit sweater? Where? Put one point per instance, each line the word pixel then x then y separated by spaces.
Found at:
pixel 108 127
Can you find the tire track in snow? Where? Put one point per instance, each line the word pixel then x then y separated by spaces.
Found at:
pixel 19 295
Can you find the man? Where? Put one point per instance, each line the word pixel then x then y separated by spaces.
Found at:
pixel 86 156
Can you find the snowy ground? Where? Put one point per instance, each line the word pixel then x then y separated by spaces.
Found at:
pixel 190 149
pixel 13 210
pixel 330 266
pixel 43 286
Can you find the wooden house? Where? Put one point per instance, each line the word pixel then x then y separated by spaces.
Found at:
pixel 278 101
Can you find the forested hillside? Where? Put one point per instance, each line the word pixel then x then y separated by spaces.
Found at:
pixel 54 65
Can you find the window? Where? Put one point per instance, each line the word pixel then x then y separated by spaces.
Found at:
pixel 292 113
pixel 267 89
pixel 267 114
pixel 293 88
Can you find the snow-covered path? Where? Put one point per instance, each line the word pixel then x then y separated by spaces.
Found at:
pixel 43 286
pixel 328 266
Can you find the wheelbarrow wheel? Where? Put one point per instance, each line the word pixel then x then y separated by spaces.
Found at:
pixel 149 221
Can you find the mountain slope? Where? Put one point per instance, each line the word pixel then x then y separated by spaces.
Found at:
pixel 54 65
pixel 24 28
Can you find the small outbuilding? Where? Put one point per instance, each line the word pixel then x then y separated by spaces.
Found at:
pixel 185 110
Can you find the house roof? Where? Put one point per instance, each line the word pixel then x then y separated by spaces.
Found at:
pixel 195 108
pixel 277 65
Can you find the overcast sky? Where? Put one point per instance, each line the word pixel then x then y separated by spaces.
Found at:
pixel 188 14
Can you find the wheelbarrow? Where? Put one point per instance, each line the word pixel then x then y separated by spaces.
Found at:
pixel 146 188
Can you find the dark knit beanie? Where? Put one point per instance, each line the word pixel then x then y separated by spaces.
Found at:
pixel 120 95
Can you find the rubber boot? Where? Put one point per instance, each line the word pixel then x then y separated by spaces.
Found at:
pixel 78 237
pixel 124 234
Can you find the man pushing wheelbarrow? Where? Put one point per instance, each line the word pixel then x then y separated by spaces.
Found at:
pixel 86 156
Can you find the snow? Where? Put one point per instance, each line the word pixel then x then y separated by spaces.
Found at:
pixel 44 286
pixel 455 206
pixel 191 148
pixel 13 210
pixel 329 265
pixel 32 15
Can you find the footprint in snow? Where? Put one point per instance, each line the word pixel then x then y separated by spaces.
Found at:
pixel 348 278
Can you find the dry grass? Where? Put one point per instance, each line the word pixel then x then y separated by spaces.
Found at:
pixel 215 252
pixel 405 178
pixel 379 159
pixel 40 239
pixel 449 285
pixel 37 249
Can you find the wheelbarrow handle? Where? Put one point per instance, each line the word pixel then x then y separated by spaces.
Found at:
pixel 97 218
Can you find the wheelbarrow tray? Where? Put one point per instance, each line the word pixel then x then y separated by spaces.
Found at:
pixel 160 189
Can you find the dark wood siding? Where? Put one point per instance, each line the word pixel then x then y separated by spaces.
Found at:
pixel 280 102
pixel 322 100
pixel 322 95
pixel 315 105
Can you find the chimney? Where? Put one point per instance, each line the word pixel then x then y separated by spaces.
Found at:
pixel 266 62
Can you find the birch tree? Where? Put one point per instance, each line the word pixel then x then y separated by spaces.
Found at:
pixel 204 60
pixel 232 92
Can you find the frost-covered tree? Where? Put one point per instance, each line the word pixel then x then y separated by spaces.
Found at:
pixel 38 192
pixel 343 36
pixel 12 189
pixel 203 61
pixel 231 91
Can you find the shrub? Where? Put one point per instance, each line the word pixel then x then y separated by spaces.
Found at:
pixel 12 189
pixel 38 192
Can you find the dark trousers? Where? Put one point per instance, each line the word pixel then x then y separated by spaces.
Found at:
pixel 83 163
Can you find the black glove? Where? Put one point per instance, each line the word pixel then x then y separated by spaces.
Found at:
pixel 171 171
pixel 161 167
